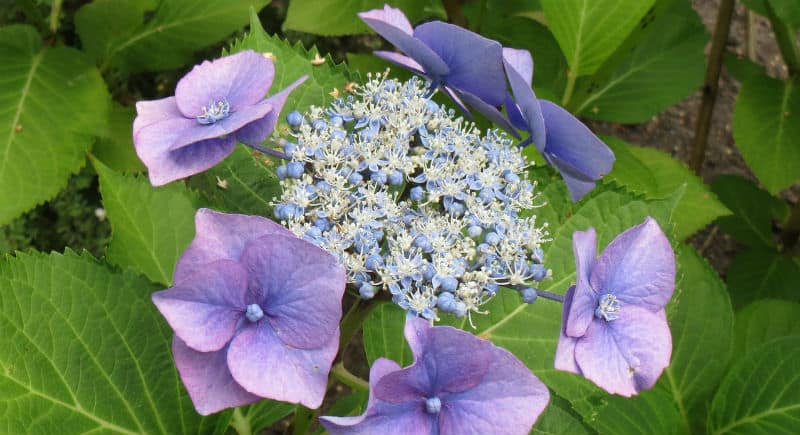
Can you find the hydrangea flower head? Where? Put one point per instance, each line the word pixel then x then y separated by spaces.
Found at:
pixel 412 200
pixel 239 308
pixel 614 329
pixel 458 385
pixel 215 105
pixel 465 65
pixel 564 141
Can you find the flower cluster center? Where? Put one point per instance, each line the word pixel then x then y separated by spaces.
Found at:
pixel 608 308
pixel 215 111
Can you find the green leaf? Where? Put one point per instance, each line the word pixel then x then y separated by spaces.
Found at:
pixel 761 392
pixel 339 17
pixel 245 182
pixel 766 125
pixel 85 351
pixel 589 31
pixel 665 64
pixel 150 227
pixel 762 273
pixel 115 148
pixel 119 33
pixel 294 61
pixel 651 412
pixel 698 207
pixel 52 101
pixel 701 320
pixel 383 335
pixel 762 321
pixel 558 418
pixel 264 414
pixel 753 210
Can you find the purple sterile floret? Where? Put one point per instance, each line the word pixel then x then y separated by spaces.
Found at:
pixel 614 329
pixel 215 105
pixel 564 141
pixel 467 66
pixel 458 384
pixel 255 312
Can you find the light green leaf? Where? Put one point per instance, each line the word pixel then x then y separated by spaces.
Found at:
pixel 651 412
pixel 589 31
pixel 665 65
pixel 763 273
pixel 294 61
pixel 761 392
pixel 245 182
pixel 698 207
pixel 766 125
pixel 753 210
pixel 701 320
pixel 83 350
pixel 117 34
pixel 558 419
pixel 150 226
pixel 335 18
pixel 115 147
pixel 764 320
pixel 52 101
pixel 383 335
pixel 263 414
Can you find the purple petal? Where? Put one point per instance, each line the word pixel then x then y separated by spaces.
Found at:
pixel 626 355
pixel 257 131
pixel 581 313
pixel 264 365
pixel 515 114
pixel 526 100
pixel 490 112
pixel 155 111
pixel 241 79
pixel 578 184
pixel 228 126
pixel 301 288
pixel 165 165
pixel 565 350
pixel 208 380
pixel 573 144
pixel 508 400
pixel 457 100
pixel 381 417
pixel 520 61
pixel 475 62
pixel 401 60
pixel 222 236
pixel 205 309
pixel 392 24
pixel 445 360
pixel 638 266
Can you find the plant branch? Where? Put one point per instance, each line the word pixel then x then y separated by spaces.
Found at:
pixel 455 12
pixel 344 376
pixel 787 42
pixel 55 12
pixel 711 86
pixel 240 423
pixel 790 234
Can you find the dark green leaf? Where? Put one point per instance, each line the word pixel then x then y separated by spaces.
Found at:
pixel 383 335
pixel 265 413
pixel 753 210
pixel 762 321
pixel 762 273
pixel 115 148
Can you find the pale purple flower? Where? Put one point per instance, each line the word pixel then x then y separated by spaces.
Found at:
pixel 614 329
pixel 215 105
pixel 255 312
pixel 564 141
pixel 459 384
pixel 465 65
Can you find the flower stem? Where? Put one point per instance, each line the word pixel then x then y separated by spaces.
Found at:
pixel 571 77
pixel 270 152
pixel 303 417
pixel 551 296
pixel 344 376
pixel 240 423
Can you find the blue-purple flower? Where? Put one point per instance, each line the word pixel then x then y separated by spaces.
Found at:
pixel 215 105
pixel 614 329
pixel 564 141
pixel 255 312
pixel 465 65
pixel 458 385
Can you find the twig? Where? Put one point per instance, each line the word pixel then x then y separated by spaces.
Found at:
pixel 344 376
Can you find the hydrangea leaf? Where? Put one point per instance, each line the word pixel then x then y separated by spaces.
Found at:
pixel 766 125
pixel 589 31
pixel 339 18
pixel 52 101
pixel 753 210
pixel 651 412
pixel 701 320
pixel 150 227
pixel 763 273
pixel 761 392
pixel 115 147
pixel 665 63
pixel 383 335
pixel 245 182
pixel 294 61
pixel 558 419
pixel 84 351
pixel 263 414
pixel 656 174
pixel 120 34
pixel 762 321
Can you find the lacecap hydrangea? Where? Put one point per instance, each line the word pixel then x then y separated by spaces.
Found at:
pixel 412 199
